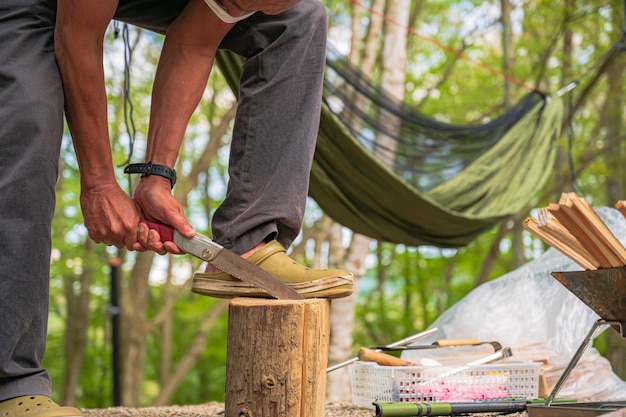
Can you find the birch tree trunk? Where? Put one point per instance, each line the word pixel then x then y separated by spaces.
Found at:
pixel 507 47
pixel 342 321
pixel 394 66
pixel 393 79
pixel 343 310
pixel 508 63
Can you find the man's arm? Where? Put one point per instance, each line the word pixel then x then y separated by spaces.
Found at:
pixel 186 61
pixel 110 215
pixel 185 64
pixel 79 36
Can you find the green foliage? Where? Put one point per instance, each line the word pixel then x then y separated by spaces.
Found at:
pixel 405 289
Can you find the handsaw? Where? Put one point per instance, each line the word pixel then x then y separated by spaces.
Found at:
pixel 202 247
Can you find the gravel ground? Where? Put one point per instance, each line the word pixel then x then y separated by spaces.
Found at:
pixel 214 409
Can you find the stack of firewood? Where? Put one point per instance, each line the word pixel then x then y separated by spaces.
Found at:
pixel 575 229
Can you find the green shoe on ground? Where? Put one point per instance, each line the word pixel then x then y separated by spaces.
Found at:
pixel 272 258
pixel 35 406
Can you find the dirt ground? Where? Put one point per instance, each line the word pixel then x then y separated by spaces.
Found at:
pixel 217 410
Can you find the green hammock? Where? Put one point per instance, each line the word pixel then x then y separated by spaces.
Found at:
pixel 358 191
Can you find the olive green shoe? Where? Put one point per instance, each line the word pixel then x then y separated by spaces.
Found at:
pixel 272 258
pixel 35 406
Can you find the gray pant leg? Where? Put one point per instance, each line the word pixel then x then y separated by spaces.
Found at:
pixel 31 126
pixel 276 125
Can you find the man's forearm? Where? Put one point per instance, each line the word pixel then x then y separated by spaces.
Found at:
pixel 86 116
pixel 182 74
pixel 79 51
pixel 178 86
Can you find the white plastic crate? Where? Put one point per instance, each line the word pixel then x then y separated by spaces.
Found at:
pixel 371 382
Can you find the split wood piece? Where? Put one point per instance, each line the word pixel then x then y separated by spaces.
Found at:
pixel 277 357
pixel 579 229
pixel 621 206
pixel 614 244
pixel 573 253
pixel 593 225
pixel 551 226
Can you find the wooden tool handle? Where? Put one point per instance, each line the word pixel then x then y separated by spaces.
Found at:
pixel 381 358
pixel 457 342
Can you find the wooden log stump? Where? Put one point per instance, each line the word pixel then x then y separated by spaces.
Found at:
pixel 277 355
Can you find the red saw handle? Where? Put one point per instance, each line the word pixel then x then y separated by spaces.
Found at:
pixel 165 232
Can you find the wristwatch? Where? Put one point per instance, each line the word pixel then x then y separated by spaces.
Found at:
pixel 148 168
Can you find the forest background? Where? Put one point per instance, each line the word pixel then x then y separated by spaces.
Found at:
pixel 445 58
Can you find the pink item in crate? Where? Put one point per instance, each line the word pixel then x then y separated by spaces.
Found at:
pixel 456 391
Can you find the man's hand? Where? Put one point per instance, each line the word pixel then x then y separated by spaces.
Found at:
pixel 155 199
pixel 111 216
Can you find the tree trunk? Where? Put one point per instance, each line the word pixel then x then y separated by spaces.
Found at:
pixel 507 47
pixel 394 67
pixel 562 167
pixel 517 237
pixel 77 296
pixel 370 48
pixel 492 255
pixel 167 331
pixel 393 79
pixel 343 310
pixel 363 55
pixel 342 324
pixel 134 326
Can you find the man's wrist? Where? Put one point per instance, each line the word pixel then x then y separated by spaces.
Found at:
pixel 148 168
pixel 97 179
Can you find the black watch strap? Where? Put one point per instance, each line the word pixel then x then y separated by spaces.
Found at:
pixel 148 168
